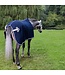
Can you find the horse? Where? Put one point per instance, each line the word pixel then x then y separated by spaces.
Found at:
pixel 12 31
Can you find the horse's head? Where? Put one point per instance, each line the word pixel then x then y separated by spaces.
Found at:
pixel 39 26
pixel 36 24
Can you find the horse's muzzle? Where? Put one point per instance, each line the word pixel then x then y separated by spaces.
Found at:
pixel 40 31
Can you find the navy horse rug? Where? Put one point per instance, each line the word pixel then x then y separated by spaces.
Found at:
pixel 22 29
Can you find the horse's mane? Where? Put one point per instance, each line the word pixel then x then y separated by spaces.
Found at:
pixel 32 19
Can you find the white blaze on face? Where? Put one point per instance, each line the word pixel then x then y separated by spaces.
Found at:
pixel 40 25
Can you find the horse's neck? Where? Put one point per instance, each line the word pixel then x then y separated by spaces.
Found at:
pixel 33 23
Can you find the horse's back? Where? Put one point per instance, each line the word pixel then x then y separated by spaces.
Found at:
pixel 25 32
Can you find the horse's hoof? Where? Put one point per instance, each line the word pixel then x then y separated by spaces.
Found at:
pixel 19 67
pixel 14 62
pixel 29 56
pixel 22 56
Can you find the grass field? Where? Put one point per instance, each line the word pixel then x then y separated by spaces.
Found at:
pixel 47 52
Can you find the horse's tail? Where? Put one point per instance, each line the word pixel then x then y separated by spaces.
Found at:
pixel 8 44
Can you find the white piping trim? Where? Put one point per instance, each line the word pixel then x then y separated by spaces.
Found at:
pixel 17 29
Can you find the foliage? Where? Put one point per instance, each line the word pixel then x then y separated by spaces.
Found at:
pixel 12 12
pixel 51 15
pixel 54 16
pixel 51 19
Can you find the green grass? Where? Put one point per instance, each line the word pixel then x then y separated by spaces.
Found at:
pixel 47 52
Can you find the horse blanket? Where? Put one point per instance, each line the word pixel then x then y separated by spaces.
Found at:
pixel 25 30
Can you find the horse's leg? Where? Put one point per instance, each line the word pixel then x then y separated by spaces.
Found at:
pixel 23 46
pixel 13 52
pixel 17 56
pixel 29 47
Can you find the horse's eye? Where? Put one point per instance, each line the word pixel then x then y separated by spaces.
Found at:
pixel 38 27
pixel 37 24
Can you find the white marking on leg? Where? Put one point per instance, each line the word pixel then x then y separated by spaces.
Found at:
pixel 14 62
pixel 22 53
pixel 19 67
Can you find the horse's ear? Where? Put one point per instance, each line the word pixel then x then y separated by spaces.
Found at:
pixel 40 21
